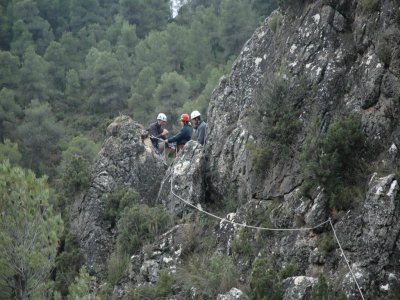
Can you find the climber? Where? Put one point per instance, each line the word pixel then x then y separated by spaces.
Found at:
pixel 158 133
pixel 184 135
pixel 199 125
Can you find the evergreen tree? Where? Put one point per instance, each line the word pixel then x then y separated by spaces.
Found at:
pixel 9 65
pixel 171 93
pixel 84 13
pixel 10 112
pixel 55 56
pixel 147 15
pixel 108 88
pixel 39 135
pixel 29 232
pixel 34 83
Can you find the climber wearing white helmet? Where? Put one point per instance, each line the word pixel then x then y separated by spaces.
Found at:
pixel 158 132
pixel 199 125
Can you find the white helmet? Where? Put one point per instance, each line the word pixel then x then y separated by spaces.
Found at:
pixel 162 117
pixel 194 114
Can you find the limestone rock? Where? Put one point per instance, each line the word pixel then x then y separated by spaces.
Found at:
pixel 126 156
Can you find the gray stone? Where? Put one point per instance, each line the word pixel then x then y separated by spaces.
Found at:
pixel 127 157
pixel 184 181
pixel 298 288
pixel 233 294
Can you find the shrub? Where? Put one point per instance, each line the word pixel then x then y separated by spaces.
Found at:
pixel 322 290
pixel 275 21
pixel 116 201
pixel 397 16
pixel 264 281
pixel 370 5
pixel 77 175
pixel 210 276
pixel 80 289
pixel 162 289
pixel 117 266
pixel 138 224
pixel 325 242
pixel 289 270
pixel 277 108
pixel 333 161
pixel 384 52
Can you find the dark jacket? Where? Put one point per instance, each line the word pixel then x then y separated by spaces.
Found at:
pixel 183 136
pixel 201 132
pixel 155 131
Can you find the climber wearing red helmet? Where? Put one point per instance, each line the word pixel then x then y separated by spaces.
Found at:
pixel 184 135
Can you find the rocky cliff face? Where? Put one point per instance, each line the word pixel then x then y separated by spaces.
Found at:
pixel 347 58
pixel 336 58
pixel 126 157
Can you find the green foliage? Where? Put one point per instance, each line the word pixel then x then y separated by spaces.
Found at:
pixel 209 274
pixel 322 290
pixel 81 146
pixel 264 281
pixel 68 263
pixel 289 270
pixel 39 134
pixel 384 52
pixel 325 242
pixel 370 5
pixel 275 21
pixel 279 116
pixel 397 16
pixel 80 289
pixel 260 156
pixel 333 161
pixel 138 224
pixel 163 288
pixel 9 151
pixel 116 201
pixel 29 232
pixel 10 112
pixel 117 266
pixel 76 176
pixel 241 245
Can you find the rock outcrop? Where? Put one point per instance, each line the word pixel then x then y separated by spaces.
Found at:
pixel 126 157
pixel 337 59
pixel 184 181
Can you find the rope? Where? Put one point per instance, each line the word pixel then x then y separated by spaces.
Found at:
pixel 345 258
pixel 270 229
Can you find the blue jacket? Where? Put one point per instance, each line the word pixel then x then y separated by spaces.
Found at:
pixel 183 136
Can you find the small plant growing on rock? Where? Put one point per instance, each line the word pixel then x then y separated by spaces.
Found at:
pixel 275 21
pixel 384 52
pixel 117 265
pixel 264 281
pixel 323 290
pixel 116 201
pixel 370 5
pixel 325 242
pixel 333 162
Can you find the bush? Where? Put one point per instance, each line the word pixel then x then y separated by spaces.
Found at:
pixel 210 276
pixel 77 175
pixel 116 201
pixel 290 270
pixel 162 289
pixel 325 242
pixel 138 224
pixel 322 290
pixel 370 5
pixel 264 281
pixel 117 266
pixel 333 161
pixel 384 52
pixel 275 21
pixel 277 108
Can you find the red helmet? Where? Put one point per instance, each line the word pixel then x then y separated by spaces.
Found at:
pixel 185 118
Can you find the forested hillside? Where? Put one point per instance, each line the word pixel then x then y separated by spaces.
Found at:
pixel 67 67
